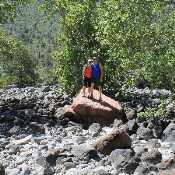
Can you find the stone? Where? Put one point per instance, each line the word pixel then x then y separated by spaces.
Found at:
pixel 14 130
pixel 117 123
pixel 132 114
pixel 23 141
pixel 152 157
pixel 84 151
pixel 144 133
pixel 132 126
pixel 85 110
pixel 52 156
pixel 42 167
pixel 2 169
pixel 37 128
pixel 25 170
pixel 59 113
pixel 140 108
pixel 12 171
pixel 169 133
pixel 117 139
pixel 69 165
pixel 81 139
pixel 94 129
pixel 122 160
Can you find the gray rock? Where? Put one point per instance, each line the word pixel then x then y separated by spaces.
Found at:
pixel 69 165
pixel 144 133
pixel 42 167
pixel 2 169
pixel 152 157
pixel 132 114
pixel 25 170
pixel 169 133
pixel 59 113
pixel 122 160
pixel 132 126
pixel 37 128
pixel 23 141
pixel 14 130
pixel 84 151
pixel 142 170
pixel 98 171
pixel 117 123
pixel 81 139
pixel 12 171
pixel 94 129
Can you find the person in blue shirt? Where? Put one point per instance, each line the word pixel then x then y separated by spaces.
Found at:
pixel 97 77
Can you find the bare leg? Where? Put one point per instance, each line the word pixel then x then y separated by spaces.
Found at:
pixel 100 92
pixel 89 91
pixel 84 89
pixel 92 89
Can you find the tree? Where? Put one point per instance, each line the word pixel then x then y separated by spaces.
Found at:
pixel 132 38
pixel 16 62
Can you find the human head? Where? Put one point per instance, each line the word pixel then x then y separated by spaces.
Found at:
pixel 94 59
pixel 89 61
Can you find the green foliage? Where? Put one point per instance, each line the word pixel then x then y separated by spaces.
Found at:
pixel 132 38
pixel 77 42
pixel 16 62
pixel 8 9
pixel 156 112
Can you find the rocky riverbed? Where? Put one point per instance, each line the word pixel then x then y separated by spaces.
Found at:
pixel 35 140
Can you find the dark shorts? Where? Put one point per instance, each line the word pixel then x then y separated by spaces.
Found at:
pixel 87 82
pixel 96 81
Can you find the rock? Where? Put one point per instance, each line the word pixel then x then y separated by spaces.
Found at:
pixel 42 167
pixel 152 157
pixel 2 170
pixel 142 170
pixel 131 114
pixel 167 172
pixel 122 160
pixel 37 128
pixel 144 133
pixel 45 89
pixel 59 113
pixel 84 151
pixel 132 126
pixel 94 129
pixel 169 133
pixel 69 165
pixel 52 156
pixel 140 108
pixel 25 170
pixel 81 139
pixel 99 171
pixel 117 123
pixel 23 141
pixel 94 111
pixel 14 130
pixel 117 139
pixel 12 171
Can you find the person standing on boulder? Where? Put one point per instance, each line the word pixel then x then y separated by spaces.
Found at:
pixel 97 77
pixel 87 76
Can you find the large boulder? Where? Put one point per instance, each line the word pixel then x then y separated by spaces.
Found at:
pixel 117 139
pixel 123 160
pixel 85 110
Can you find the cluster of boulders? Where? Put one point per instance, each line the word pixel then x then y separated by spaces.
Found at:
pixel 29 108
pixel 45 132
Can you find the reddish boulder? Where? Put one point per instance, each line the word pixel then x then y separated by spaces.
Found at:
pixel 117 139
pixel 85 110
